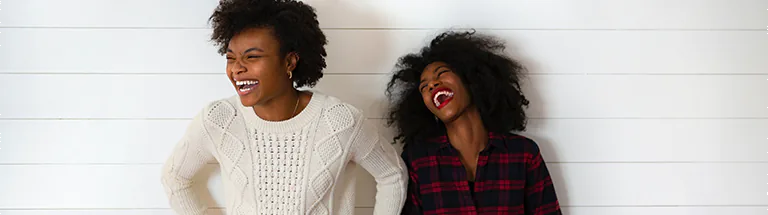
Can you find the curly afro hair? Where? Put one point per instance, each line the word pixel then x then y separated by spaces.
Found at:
pixel 294 24
pixel 492 79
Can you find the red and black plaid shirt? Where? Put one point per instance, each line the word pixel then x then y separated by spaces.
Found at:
pixel 511 178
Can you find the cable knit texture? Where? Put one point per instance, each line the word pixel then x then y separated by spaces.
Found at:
pixel 303 165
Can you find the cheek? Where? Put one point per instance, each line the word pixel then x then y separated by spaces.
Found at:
pixel 427 100
pixel 268 69
pixel 271 79
pixel 258 69
pixel 270 76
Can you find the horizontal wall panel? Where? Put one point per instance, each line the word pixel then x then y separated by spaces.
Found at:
pixel 651 140
pixel 97 13
pixel 561 140
pixel 643 96
pixel 109 51
pixel 551 96
pixel 75 187
pixel 88 141
pixel 138 186
pixel 660 184
pixel 377 51
pixel 562 14
pixel 369 211
pixel 109 96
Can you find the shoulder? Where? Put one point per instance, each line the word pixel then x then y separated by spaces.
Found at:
pixel 221 112
pixel 338 114
pixel 414 151
pixel 521 145
pixel 517 142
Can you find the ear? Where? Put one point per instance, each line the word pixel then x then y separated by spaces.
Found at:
pixel 291 60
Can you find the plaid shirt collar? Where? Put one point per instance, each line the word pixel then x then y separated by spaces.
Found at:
pixel 495 140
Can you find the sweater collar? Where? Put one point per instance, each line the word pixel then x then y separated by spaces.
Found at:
pixel 304 118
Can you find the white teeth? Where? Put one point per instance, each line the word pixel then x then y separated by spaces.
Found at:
pixel 438 94
pixel 240 83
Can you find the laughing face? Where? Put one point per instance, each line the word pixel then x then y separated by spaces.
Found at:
pixel 443 92
pixel 255 67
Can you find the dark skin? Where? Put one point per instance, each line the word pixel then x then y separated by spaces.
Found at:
pixel 254 55
pixel 462 120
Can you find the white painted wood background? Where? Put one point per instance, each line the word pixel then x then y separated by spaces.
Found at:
pixel 641 106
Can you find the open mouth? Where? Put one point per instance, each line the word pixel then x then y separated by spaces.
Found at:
pixel 246 86
pixel 442 97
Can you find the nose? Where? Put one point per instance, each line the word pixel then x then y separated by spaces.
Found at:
pixel 238 68
pixel 433 85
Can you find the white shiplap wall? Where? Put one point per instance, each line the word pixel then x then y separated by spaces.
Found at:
pixel 641 106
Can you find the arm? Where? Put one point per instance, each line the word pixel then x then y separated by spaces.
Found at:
pixel 189 156
pixel 380 159
pixel 540 196
pixel 412 201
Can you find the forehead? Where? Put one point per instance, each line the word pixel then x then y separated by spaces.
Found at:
pixel 430 69
pixel 261 38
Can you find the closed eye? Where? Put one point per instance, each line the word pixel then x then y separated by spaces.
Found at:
pixel 441 72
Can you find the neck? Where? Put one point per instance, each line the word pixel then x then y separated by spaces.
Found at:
pixel 467 132
pixel 281 107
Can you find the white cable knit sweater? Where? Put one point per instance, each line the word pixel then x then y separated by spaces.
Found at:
pixel 304 165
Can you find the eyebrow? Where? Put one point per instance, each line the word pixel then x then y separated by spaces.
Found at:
pixel 253 49
pixel 422 80
pixel 249 50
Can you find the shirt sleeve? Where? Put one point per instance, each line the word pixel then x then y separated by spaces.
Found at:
pixel 541 198
pixel 413 199
pixel 379 158
pixel 188 157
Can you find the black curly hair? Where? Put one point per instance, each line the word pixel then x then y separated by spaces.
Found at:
pixel 294 24
pixel 492 79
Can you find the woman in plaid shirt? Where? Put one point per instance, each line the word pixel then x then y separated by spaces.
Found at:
pixel 455 106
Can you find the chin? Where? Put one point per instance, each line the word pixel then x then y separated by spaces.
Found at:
pixel 450 112
pixel 447 116
pixel 248 101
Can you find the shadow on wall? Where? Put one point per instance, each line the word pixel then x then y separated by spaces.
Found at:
pixel 329 14
pixel 536 126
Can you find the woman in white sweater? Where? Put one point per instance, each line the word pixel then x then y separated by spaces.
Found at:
pixel 280 150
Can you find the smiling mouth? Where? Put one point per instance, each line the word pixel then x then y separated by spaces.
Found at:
pixel 246 86
pixel 441 97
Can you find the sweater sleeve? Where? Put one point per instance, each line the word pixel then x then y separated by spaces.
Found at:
pixel 380 159
pixel 187 158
